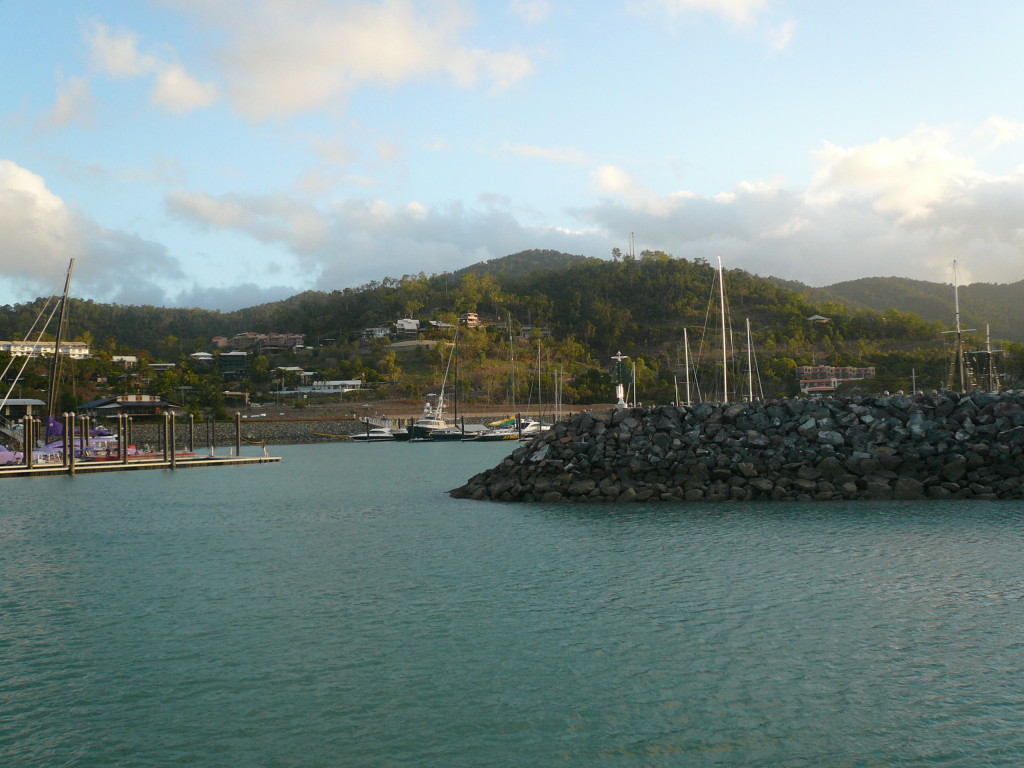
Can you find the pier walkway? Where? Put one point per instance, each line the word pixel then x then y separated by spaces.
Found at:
pixel 92 467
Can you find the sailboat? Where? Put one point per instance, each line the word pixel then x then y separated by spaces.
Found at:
pixel 528 427
pixel 433 422
pixel 511 427
pixel 714 383
pixel 709 379
pixel 48 447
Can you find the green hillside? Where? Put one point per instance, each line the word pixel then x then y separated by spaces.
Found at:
pixel 999 305
pixel 571 312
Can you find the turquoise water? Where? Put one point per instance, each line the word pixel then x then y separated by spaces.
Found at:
pixel 338 609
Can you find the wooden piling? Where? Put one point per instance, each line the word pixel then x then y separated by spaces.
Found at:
pixel 72 418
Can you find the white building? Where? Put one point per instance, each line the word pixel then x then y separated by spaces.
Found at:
pixel 334 387
pixel 378 332
pixel 76 350
pixel 337 387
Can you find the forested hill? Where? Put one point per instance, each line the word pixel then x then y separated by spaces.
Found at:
pixel 1000 305
pixel 634 304
pixel 525 263
pixel 122 326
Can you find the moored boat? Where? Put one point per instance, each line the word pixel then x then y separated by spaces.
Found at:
pixel 375 435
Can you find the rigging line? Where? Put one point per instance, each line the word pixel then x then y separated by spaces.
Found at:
pixel 59 362
pixel 28 357
pixel 757 371
pixel 27 335
pixel 698 372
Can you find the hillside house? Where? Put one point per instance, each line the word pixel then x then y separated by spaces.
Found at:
pixel 234 363
pixel 377 332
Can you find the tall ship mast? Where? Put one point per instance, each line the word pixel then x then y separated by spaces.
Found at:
pixel 960 372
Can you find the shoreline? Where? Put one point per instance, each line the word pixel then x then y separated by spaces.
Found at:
pixel 278 430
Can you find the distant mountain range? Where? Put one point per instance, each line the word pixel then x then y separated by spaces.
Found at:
pixel 999 305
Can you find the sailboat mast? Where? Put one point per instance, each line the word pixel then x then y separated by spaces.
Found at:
pixel 725 366
pixel 686 352
pixel 993 380
pixel 512 366
pixel 455 351
pixel 959 331
pixel 540 399
pixel 750 365
pixel 51 395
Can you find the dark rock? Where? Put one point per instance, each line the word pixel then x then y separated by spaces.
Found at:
pixel 904 447
pixel 908 488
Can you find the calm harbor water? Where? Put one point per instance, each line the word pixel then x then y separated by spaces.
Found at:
pixel 338 609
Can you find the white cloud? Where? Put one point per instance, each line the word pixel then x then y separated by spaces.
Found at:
pixel 37 231
pixel 780 37
pixel 612 180
pixel 40 234
pixel 905 177
pixel 73 103
pixel 284 57
pixel 356 240
pixel 999 130
pixel 222 213
pixel 566 155
pixel 276 219
pixel 736 11
pixel 179 92
pixel 531 11
pixel 117 55
pixel 904 206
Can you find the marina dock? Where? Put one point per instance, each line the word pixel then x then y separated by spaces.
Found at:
pixel 92 467
pixel 115 456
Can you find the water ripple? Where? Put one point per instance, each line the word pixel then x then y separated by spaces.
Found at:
pixel 339 609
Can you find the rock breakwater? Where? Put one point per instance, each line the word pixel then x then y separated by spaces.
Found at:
pixel 936 446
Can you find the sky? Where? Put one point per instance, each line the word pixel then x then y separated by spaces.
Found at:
pixel 227 153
